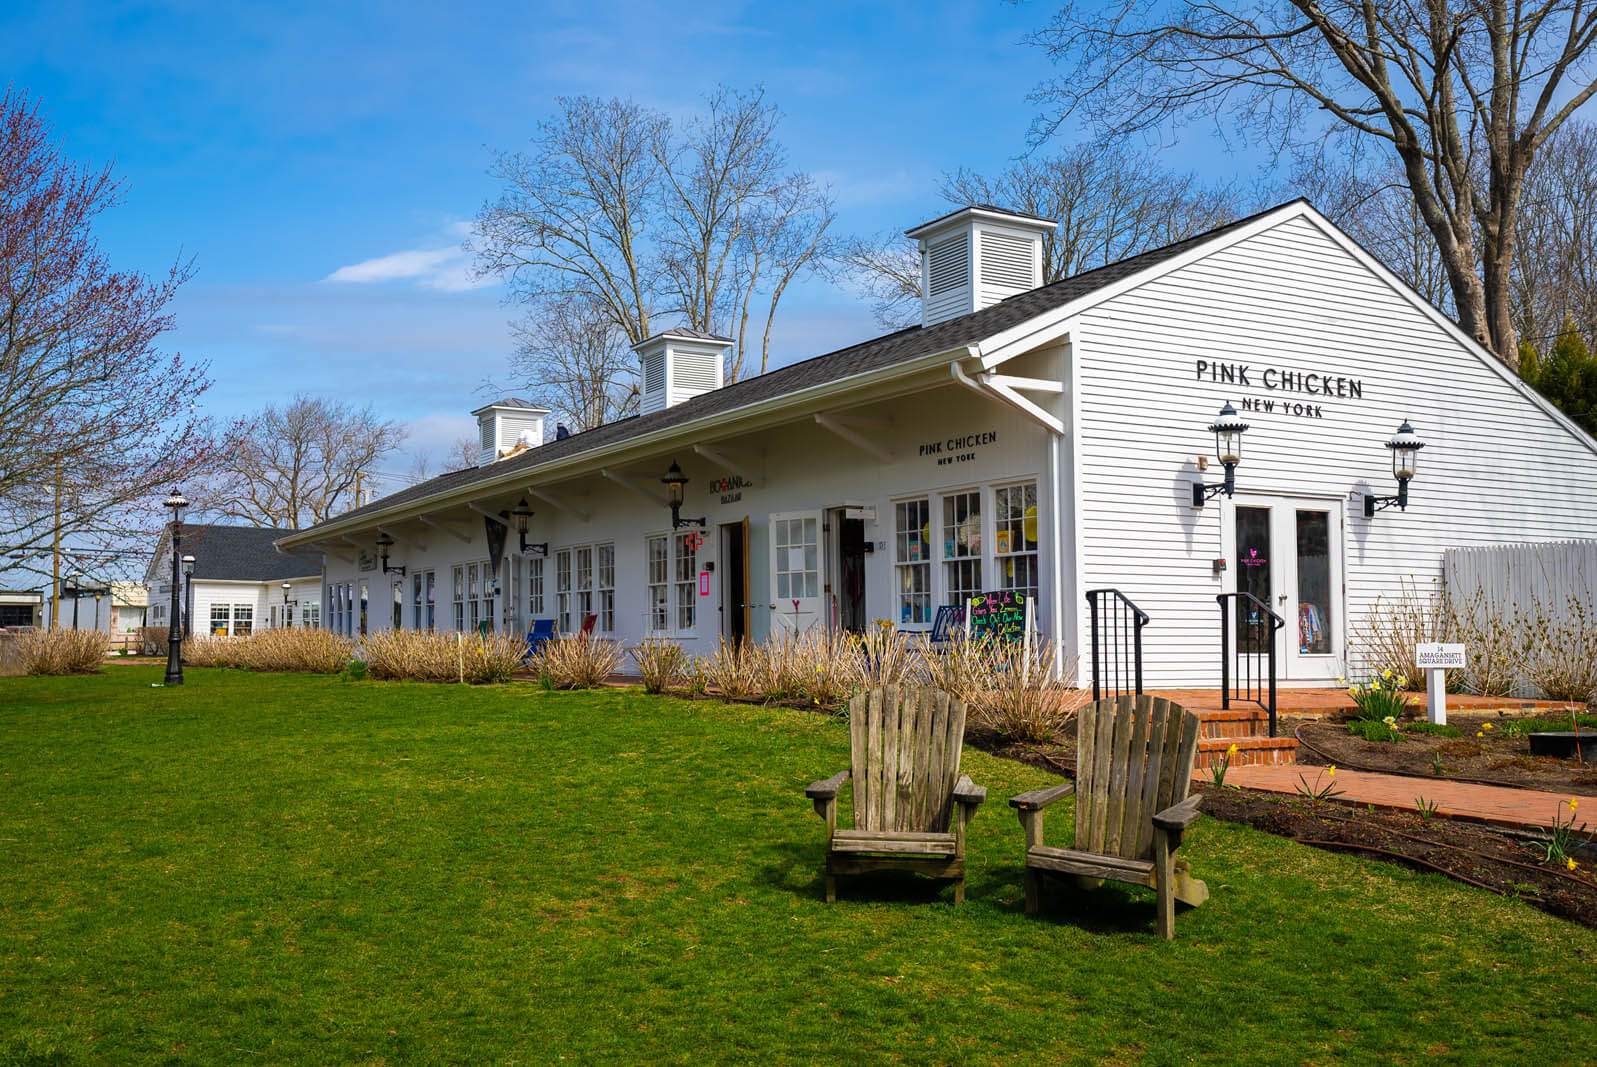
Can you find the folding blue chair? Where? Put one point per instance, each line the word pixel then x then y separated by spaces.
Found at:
pixel 542 632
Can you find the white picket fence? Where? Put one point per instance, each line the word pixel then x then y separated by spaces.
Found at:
pixel 1539 576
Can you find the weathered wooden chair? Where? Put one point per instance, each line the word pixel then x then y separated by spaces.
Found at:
pixel 1134 760
pixel 905 747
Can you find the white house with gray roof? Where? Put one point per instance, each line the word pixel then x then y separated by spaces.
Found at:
pixel 240 582
pixel 1040 439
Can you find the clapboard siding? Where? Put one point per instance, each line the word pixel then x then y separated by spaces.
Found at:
pixel 1497 468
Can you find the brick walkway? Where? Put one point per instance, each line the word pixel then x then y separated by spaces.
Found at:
pixel 1487 803
pixel 1308 703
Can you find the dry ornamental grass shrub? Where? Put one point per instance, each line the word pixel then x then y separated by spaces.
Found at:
pixel 1023 701
pixel 887 658
pixel 581 662
pixel 740 670
pixel 1392 627
pixel 60 651
pixel 823 668
pixel 304 649
pixel 1558 649
pixel 210 651
pixel 415 655
pixel 964 666
pixel 661 663
pixel 493 658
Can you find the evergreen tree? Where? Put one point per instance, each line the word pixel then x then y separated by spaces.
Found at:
pixel 1568 377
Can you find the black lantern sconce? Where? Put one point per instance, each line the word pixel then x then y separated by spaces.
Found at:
pixel 520 517
pixel 1405 446
pixel 384 543
pixel 1228 429
pixel 675 482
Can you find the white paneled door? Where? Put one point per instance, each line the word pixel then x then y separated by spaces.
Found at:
pixel 1287 552
pixel 796 602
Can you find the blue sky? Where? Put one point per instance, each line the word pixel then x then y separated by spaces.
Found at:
pixel 320 162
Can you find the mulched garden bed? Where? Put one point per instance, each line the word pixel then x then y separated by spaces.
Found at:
pixel 1485 753
pixel 1495 860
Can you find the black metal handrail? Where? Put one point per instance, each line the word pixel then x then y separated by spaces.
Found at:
pixel 1116 628
pixel 1254 690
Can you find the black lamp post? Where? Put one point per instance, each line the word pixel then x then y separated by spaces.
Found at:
pixel 288 622
pixel 384 543
pixel 188 593
pixel 520 517
pixel 675 482
pixel 1228 429
pixel 1405 446
pixel 174 635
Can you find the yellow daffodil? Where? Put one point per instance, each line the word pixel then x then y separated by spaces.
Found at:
pixel 1232 751
pixel 1341 681
pixel 1387 674
pixel 1331 771
pixel 1573 803
pixel 1389 721
pixel 1479 733
pixel 1571 861
pixel 1352 690
pixel 1402 681
pixel 1488 726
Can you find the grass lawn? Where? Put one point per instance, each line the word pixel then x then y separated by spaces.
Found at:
pixel 291 869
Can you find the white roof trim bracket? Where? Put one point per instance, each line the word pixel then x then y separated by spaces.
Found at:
pixel 998 387
pixel 327 550
pixel 717 456
pixel 835 423
pixel 488 513
pixel 624 480
pixel 405 539
pixel 550 498
pixel 450 530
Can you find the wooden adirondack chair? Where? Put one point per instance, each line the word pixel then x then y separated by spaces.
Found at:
pixel 905 748
pixel 1134 760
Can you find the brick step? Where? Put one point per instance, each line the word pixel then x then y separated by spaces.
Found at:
pixel 1251 750
pixel 1235 723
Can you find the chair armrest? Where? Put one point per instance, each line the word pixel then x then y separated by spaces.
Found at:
pixel 968 792
pixel 826 788
pixel 1038 799
pixel 1178 817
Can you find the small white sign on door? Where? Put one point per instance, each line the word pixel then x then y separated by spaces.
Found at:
pixel 1438 656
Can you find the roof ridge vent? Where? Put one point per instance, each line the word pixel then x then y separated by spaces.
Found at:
pixel 976 256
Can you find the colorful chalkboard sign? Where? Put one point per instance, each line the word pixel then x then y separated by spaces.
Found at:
pixel 1002 615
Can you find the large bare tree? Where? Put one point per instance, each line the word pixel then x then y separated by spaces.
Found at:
pixel 572 360
pixel 1555 280
pixel 96 422
pixel 1462 95
pixel 1109 204
pixel 621 209
pixel 299 464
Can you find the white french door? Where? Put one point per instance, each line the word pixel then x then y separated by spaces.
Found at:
pixel 796 601
pixel 1287 552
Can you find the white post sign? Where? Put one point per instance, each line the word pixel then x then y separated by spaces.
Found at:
pixel 1436 659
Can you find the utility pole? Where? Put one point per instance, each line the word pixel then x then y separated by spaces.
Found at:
pixel 55 547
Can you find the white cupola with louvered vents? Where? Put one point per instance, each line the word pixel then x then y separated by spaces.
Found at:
pixel 504 424
pixel 974 257
pixel 678 365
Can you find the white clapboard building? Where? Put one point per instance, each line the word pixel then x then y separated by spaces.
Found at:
pixel 1041 438
pixel 232 582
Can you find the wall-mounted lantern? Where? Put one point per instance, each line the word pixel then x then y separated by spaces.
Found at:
pixel 1405 446
pixel 1228 429
pixel 675 482
pixel 520 517
pixel 384 543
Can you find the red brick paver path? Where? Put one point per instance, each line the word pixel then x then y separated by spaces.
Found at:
pixel 1487 803
pixel 1310 702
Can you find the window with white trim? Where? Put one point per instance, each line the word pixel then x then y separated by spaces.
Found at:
pixel 535 585
pixel 606 556
pixel 658 555
pixel 584 581
pixel 423 610
pixel 912 562
pixel 563 590
pixel 311 615
pixel 243 619
pixel 687 575
pixel 365 598
pixel 1015 537
pixel 221 616
pixel 962 546
pixel 460 596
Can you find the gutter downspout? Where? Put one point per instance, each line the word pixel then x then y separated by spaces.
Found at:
pixel 1055 526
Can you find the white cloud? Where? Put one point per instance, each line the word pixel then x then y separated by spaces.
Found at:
pixel 447 268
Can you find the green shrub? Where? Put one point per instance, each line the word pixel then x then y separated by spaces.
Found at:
pixel 1374 730
pixel 1382 697
pixel 354 671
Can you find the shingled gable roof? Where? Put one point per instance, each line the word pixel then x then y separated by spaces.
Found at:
pixel 883 352
pixel 240 554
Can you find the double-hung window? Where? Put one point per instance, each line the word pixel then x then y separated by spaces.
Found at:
pixel 310 615
pixel 460 596
pixel 912 561
pixel 962 546
pixel 687 574
pixel 563 590
pixel 606 556
pixel 658 553
pixel 220 616
pixel 584 581
pixel 422 609
pixel 535 586
pixel 1015 537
